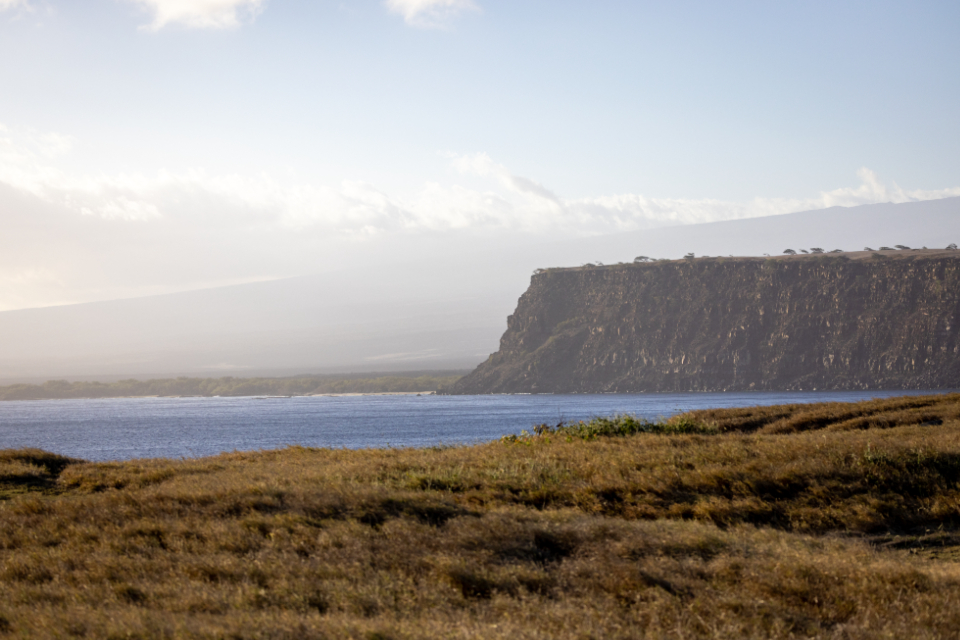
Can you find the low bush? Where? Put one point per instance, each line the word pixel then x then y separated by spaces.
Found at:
pixel 616 426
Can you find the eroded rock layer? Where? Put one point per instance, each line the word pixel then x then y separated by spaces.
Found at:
pixel 841 321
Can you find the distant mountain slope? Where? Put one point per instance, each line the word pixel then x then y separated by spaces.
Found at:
pixel 832 321
pixel 444 309
pixel 345 322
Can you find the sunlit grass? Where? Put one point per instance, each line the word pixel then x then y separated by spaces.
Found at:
pixel 831 520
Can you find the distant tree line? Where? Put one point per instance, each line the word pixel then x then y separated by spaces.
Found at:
pixel 230 386
pixel 789 252
pixel 900 247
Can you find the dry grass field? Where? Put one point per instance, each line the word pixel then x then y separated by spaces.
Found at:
pixel 824 521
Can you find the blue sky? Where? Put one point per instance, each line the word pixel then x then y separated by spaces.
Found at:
pixel 239 139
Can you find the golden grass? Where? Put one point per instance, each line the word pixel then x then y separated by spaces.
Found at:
pixel 775 526
pixel 837 416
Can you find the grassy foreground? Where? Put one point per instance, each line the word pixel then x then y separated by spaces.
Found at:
pixel 832 521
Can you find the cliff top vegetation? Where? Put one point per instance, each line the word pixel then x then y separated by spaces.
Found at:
pixel 900 251
pixel 828 520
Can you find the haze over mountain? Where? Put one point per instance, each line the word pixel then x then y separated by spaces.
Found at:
pixel 256 186
pixel 443 312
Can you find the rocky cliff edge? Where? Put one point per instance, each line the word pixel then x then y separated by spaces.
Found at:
pixel 859 320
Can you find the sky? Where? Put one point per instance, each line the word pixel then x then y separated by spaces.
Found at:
pixel 152 146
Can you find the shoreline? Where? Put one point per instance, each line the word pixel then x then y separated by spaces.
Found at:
pixel 255 396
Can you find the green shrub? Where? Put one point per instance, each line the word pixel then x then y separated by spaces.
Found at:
pixel 615 426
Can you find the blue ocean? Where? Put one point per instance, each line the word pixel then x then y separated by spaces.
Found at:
pixel 128 428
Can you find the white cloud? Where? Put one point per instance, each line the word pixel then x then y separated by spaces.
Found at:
pixel 71 236
pixel 500 200
pixel 200 14
pixel 6 5
pixel 429 13
pixel 482 165
pixel 624 212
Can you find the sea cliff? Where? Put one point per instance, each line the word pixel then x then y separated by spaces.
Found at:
pixel 832 321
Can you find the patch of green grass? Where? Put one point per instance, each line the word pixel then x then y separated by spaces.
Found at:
pixel 616 426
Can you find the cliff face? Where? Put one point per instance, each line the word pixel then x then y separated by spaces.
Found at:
pixel 848 321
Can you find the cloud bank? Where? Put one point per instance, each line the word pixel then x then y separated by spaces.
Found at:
pixel 71 237
pixel 200 14
pixel 6 5
pixel 429 14
pixel 230 14
pixel 505 202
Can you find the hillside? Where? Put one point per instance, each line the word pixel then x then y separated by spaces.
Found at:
pixel 825 520
pixel 442 306
pixel 859 320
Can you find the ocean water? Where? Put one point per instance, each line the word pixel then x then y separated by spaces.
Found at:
pixel 127 428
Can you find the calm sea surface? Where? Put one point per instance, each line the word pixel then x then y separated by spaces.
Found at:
pixel 125 428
